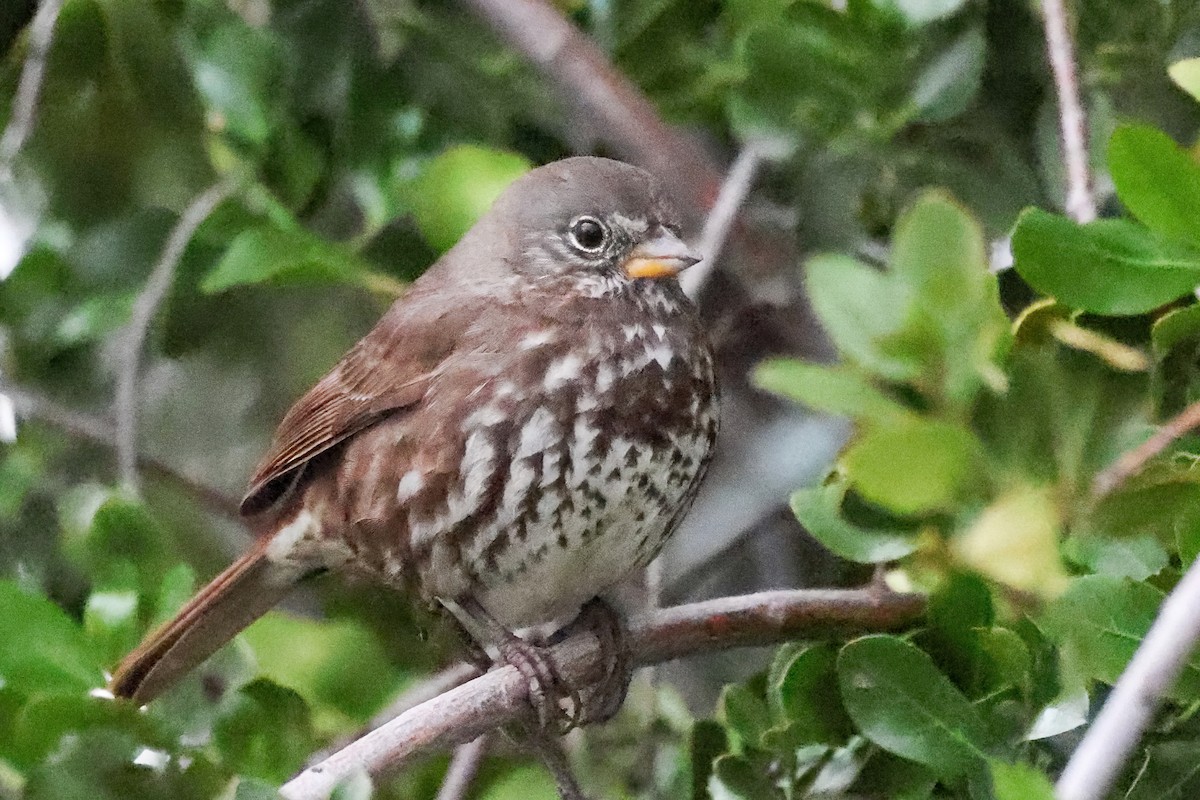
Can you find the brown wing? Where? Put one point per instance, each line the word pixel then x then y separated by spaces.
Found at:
pixel 388 370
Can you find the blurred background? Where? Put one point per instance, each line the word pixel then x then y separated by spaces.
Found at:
pixel 350 144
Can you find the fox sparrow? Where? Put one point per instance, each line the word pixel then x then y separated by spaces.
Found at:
pixel 522 429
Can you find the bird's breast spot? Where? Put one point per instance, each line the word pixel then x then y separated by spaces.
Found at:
pixel 536 339
pixel 538 433
pixel 563 370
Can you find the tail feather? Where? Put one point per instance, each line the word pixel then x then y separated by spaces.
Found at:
pixel 235 598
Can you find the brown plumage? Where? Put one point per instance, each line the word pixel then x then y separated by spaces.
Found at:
pixel 527 425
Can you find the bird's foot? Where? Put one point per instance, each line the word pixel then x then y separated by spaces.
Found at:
pixel 604 699
pixel 556 705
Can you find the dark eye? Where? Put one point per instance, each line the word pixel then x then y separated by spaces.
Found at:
pixel 588 234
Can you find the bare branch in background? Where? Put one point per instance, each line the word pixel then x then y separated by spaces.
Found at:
pixel 501 696
pixel 464 766
pixel 97 430
pixel 1129 710
pixel 614 108
pixel 24 109
pixel 145 308
pixel 1132 461
pixel 721 217
pixel 1080 202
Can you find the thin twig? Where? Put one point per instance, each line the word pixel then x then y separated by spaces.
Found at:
pixel 1132 461
pixel 1080 203
pixel 24 108
pixel 96 430
pixel 501 696
pixel 721 217
pixel 464 765
pixel 1155 667
pixel 145 308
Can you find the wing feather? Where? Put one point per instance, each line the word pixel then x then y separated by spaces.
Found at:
pixel 389 370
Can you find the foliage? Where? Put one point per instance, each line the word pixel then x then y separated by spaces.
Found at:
pixel 366 136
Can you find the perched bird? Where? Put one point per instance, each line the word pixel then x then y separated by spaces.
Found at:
pixel 520 431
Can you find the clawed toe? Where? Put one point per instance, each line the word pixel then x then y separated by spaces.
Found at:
pixel 556 704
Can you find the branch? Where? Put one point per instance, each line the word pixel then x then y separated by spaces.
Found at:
pixel 1080 204
pixel 501 696
pixel 100 431
pixel 617 110
pixel 464 765
pixel 1155 667
pixel 1132 461
pixel 24 108
pixel 145 308
pixel 721 216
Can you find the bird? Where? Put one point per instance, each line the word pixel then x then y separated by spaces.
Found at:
pixel 524 428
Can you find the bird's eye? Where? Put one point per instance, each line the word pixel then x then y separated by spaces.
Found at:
pixel 588 234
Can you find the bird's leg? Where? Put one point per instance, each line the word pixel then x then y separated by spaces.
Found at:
pixel 605 698
pixel 547 691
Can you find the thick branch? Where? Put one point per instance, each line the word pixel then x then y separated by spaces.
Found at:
pixel 501 696
pixel 144 310
pixel 1080 204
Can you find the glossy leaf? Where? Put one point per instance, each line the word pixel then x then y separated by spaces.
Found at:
pixel 1101 620
pixel 819 510
pixel 901 702
pixel 835 390
pixel 1157 181
pixel 40 647
pixel 457 187
pixel 916 467
pixel 1106 267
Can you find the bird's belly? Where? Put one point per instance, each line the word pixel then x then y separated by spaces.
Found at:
pixel 587 538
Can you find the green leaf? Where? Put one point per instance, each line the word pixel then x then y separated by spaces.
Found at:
pixel 835 390
pixel 941 252
pixel 1175 327
pixel 111 621
pixel 1186 74
pixel 947 85
pixel 41 649
pixel 1100 621
pixel 267 733
pixel 708 741
pixel 745 716
pixel 254 789
pixel 522 783
pixel 314 657
pixel 1136 557
pixel 458 187
pixel 912 468
pixel 1019 782
pixel 819 510
pixel 1157 181
pixel 901 702
pixel 798 693
pixel 236 72
pixel 1112 266
pixel 1015 541
pixel 263 254
pixel 1168 772
pixel 735 778
pixel 124 536
pixel 845 296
